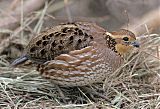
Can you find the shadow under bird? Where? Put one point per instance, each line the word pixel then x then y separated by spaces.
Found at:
pixel 78 54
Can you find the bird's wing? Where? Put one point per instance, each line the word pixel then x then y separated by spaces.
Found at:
pixel 61 39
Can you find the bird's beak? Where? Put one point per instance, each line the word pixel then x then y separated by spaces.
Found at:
pixel 135 44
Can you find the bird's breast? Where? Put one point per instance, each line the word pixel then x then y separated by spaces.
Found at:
pixel 78 67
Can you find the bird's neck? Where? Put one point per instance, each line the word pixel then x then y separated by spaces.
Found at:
pixel 107 55
pixel 111 43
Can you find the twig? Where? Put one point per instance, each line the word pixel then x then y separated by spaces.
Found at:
pixel 40 22
pixel 68 11
pixel 29 6
pixel 150 19
pixel 7 94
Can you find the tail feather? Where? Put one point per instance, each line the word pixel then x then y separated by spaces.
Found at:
pixel 20 60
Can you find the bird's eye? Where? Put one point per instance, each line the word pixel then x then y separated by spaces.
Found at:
pixel 125 38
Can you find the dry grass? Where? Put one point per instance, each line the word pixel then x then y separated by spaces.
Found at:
pixel 136 85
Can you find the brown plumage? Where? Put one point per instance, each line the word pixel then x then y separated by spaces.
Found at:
pixel 77 54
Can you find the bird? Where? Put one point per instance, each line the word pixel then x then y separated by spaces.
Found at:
pixel 78 53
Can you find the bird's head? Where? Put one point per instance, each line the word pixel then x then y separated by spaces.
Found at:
pixel 121 41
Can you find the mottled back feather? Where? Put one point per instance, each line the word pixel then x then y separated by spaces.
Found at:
pixel 60 40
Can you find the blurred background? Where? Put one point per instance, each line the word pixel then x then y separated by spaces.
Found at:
pixel 111 14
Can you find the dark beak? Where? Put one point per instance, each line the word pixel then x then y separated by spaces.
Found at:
pixel 135 44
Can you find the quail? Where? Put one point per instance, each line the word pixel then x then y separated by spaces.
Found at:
pixel 78 54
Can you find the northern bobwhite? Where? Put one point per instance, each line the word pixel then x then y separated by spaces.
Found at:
pixel 78 54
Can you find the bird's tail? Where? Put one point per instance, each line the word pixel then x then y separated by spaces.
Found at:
pixel 19 60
